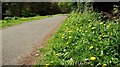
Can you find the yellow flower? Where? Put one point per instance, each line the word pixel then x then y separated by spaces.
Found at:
pixel 101 23
pixel 47 65
pixel 92 58
pixel 104 65
pixel 91 47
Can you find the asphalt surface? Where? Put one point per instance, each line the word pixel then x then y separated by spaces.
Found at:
pixel 18 40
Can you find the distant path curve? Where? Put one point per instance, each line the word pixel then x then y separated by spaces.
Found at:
pixel 19 40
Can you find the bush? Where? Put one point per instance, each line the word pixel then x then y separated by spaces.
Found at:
pixel 84 39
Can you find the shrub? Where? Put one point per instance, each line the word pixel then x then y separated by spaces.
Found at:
pixel 84 39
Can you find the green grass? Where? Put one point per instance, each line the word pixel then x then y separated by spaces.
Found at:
pixel 83 39
pixel 12 21
pixel 17 20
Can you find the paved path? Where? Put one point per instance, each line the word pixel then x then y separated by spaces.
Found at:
pixel 17 41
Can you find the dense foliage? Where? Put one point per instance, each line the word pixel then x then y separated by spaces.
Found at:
pixel 84 39
pixel 27 9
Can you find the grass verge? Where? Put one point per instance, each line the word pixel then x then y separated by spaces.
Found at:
pixel 83 39
pixel 11 21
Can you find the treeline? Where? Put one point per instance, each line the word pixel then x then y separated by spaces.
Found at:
pixel 27 9
pixel 96 6
pixel 109 10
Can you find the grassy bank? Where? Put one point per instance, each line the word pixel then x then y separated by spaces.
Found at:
pixel 11 21
pixel 16 20
pixel 84 39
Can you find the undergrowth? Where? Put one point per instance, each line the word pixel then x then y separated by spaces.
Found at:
pixel 84 40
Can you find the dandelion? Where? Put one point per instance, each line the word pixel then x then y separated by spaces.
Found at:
pixel 104 65
pixel 93 58
pixel 91 47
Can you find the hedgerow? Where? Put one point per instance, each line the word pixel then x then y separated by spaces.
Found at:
pixel 83 39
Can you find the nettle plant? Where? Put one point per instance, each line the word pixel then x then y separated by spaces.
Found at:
pixel 84 39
